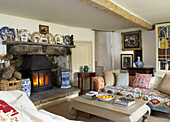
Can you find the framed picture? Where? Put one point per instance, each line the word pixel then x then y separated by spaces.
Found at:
pixel 131 40
pixel 43 29
pixel 126 61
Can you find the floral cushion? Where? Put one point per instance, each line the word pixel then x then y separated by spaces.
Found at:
pixel 99 82
pixel 142 80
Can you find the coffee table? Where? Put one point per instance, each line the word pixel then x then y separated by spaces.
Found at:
pixel 110 111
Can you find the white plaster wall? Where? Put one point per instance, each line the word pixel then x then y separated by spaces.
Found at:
pixel 80 34
pixel 148 45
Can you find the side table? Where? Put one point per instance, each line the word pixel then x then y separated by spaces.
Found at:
pixel 145 70
pixel 83 75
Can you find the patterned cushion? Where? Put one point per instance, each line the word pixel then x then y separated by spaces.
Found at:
pixel 99 82
pixel 142 80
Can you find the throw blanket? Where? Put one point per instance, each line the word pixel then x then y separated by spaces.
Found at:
pixel 156 100
pixel 8 113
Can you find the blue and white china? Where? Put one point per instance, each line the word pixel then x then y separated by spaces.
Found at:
pixel 65 79
pixel 26 86
pixel 6 31
pixel 67 40
pixel 138 63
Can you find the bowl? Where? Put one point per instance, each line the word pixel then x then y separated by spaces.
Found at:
pixel 105 97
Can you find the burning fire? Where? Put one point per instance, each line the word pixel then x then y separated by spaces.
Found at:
pixel 41 79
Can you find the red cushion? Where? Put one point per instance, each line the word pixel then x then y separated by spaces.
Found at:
pixel 142 80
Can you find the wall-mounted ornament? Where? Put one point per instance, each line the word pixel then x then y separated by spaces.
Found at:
pixel 43 29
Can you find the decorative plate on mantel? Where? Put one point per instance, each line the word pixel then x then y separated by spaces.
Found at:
pixel 5 32
pixel 24 33
pixel 49 37
pixel 58 39
pixel 36 36
pixel 67 40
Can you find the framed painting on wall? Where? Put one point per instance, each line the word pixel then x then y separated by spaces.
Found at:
pixel 43 29
pixel 131 41
pixel 126 61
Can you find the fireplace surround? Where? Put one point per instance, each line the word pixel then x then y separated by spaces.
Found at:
pixel 56 56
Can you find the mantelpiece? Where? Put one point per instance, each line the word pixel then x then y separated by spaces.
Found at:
pixel 31 48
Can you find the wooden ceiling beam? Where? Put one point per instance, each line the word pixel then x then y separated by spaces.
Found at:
pixel 109 7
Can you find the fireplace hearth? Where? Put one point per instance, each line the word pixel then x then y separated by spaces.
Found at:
pixel 38 69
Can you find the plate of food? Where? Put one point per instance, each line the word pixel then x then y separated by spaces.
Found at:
pixel 7 32
pixel 23 33
pixel 105 97
pixel 49 37
pixel 36 36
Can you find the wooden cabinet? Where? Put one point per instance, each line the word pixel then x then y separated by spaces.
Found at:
pixel 163 47
pixel 144 70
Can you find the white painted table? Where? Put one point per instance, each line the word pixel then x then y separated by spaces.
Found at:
pixel 110 111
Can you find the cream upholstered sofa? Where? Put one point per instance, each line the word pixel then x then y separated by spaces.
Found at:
pixel 156 91
pixel 18 107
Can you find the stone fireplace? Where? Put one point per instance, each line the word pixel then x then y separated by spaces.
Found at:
pixel 39 62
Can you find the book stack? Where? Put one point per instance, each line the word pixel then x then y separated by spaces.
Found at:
pixel 90 95
pixel 124 102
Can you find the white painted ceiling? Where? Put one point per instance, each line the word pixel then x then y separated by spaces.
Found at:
pixel 77 14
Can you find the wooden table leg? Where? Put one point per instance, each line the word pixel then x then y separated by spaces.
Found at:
pixel 146 116
pixel 94 87
pixel 78 82
pixel 90 82
pixel 73 112
pixel 81 85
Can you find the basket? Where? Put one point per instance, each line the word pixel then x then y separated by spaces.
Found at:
pixel 10 85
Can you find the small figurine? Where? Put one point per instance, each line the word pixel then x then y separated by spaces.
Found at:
pixel 72 43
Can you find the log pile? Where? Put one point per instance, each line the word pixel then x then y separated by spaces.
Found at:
pixel 9 74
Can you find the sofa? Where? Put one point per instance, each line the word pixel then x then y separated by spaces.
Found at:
pixel 15 106
pixel 155 89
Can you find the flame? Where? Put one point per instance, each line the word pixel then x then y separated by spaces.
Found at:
pixel 46 78
pixel 35 79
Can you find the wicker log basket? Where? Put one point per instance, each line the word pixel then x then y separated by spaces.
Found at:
pixel 10 85
pixel 10 79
